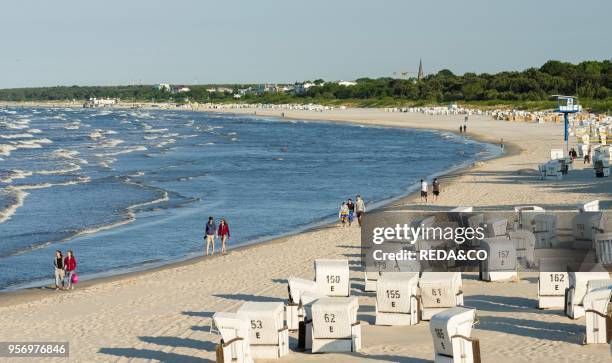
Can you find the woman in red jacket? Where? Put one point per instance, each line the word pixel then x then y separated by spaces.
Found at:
pixel 70 265
pixel 223 233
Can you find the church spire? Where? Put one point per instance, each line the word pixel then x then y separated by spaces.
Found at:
pixel 421 73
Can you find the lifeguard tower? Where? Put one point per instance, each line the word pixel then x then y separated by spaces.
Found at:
pixel 567 105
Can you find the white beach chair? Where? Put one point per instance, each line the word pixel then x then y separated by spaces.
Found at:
pixel 332 277
pixel 501 259
pixel 397 302
pixel 552 285
pixel 574 294
pixel 451 330
pixel 269 337
pixel 597 321
pixel 524 242
pixel 307 298
pixel 545 230
pixel 235 330
pixel 603 248
pixel 463 209
pixel 584 228
pixel 526 214
pixel 495 226
pixel 553 170
pixel 439 291
pixel 294 313
pixel 590 206
pixel 556 154
pixel 334 325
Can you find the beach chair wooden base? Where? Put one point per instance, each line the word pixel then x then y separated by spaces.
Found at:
pixel 499 275
pixel 352 344
pixel 598 327
pixel 551 302
pixel 395 319
pixel 231 352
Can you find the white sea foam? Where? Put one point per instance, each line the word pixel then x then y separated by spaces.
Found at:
pixel 96 134
pixel 110 143
pixel 151 137
pixel 155 131
pixel 73 126
pixel 14 175
pixel 70 169
pixel 124 151
pixel 17 136
pixel 63 153
pixel 5 150
pixel 18 196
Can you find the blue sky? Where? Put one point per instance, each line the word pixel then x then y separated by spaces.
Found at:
pixel 67 42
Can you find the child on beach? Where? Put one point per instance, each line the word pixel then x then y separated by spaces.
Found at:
pixel 360 209
pixel 211 230
pixel 70 265
pixel 423 190
pixel 343 214
pixel 436 189
pixel 58 263
pixel 351 208
pixel 224 234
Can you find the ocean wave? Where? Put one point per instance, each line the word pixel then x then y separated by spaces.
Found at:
pixel 5 150
pixel 79 180
pixel 31 143
pixel 110 143
pixel 155 131
pixel 124 151
pixel 72 126
pixel 64 154
pixel 151 137
pixel 18 196
pixel 34 131
pixel 14 175
pixel 17 136
pixel 70 169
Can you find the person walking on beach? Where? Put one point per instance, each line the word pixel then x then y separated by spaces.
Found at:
pixel 423 190
pixel 436 189
pixel 460 129
pixel 351 208
pixel 343 214
pixel 224 234
pixel 501 144
pixel 465 124
pixel 58 263
pixel 360 209
pixel 211 230
pixel 70 265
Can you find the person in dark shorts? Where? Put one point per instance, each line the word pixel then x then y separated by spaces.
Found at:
pixel 423 190
pixel 436 189
pixel 351 209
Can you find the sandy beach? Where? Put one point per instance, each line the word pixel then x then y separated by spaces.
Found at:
pixel 165 314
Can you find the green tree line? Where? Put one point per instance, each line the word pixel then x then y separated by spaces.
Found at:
pixel 591 81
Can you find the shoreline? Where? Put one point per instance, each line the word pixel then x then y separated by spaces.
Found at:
pixel 18 294
pixel 169 308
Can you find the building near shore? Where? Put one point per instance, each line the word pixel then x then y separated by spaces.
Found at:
pixel 100 102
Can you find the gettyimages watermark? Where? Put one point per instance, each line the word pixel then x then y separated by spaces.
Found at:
pixel 470 241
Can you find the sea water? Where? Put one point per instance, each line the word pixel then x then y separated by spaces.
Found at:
pixel 129 189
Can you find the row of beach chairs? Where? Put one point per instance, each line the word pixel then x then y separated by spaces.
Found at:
pixel 324 313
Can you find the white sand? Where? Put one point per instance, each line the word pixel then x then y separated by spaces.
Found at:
pixel 165 314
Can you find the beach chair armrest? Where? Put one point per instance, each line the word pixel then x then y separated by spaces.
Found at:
pixel 225 344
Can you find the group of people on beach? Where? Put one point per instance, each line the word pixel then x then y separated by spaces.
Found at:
pixel 65 270
pixel 435 186
pixel 212 233
pixel 348 211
